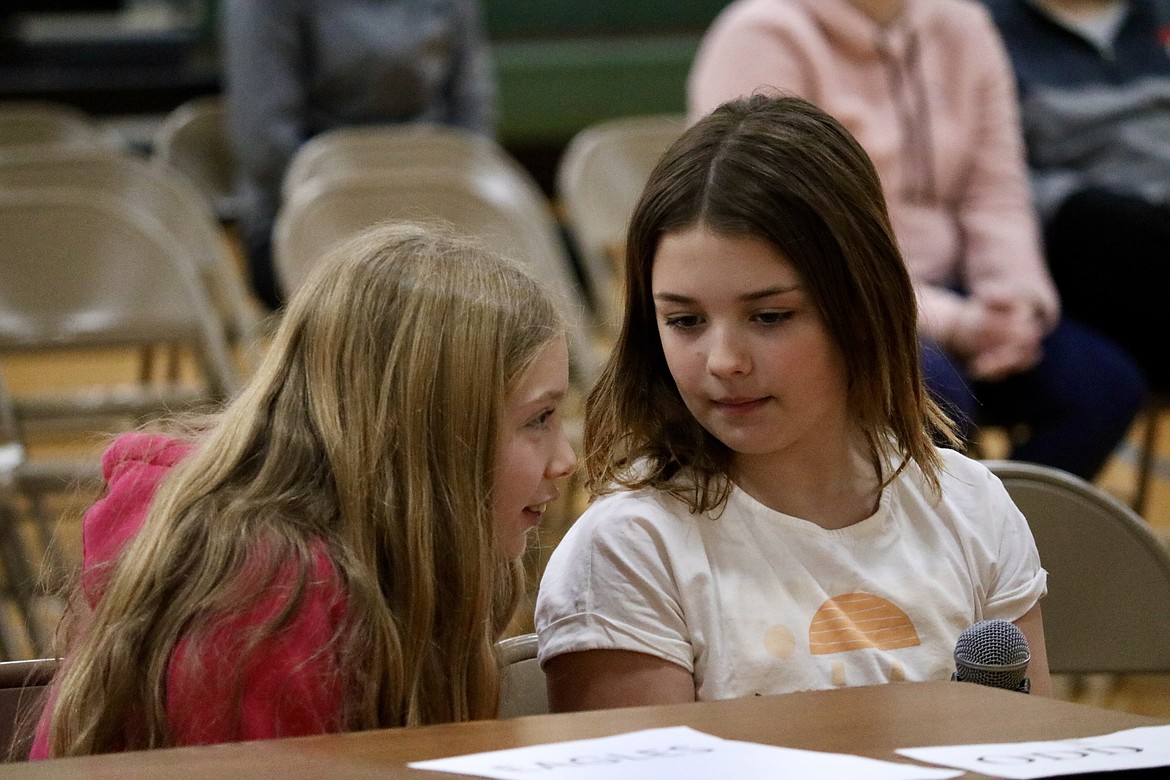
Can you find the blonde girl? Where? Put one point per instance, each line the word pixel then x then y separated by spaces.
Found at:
pixel 774 515
pixel 338 550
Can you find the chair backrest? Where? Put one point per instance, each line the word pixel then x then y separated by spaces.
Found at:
pixel 193 139
pixel 364 148
pixel 34 123
pixel 522 685
pixel 163 193
pixel 600 176
pixel 79 272
pixel 22 693
pixel 1108 602
pixel 506 213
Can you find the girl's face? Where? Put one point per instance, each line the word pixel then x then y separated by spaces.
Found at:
pixel 746 346
pixel 532 450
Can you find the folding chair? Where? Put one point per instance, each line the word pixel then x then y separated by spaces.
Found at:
pixel 167 196
pixel 79 272
pixel 1108 603
pixel 27 487
pixel 368 148
pixel 192 139
pixel 522 684
pixel 36 123
pixel 23 685
pixel 600 177
pixel 495 206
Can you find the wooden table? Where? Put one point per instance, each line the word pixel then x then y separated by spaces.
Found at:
pixel 872 721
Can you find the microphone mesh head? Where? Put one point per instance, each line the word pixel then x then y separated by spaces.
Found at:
pixel 993 653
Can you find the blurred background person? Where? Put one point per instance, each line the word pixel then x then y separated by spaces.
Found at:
pixel 294 68
pixel 927 88
pixel 1094 83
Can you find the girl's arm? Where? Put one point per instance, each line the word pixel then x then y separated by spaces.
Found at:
pixel 1032 624
pixel 603 679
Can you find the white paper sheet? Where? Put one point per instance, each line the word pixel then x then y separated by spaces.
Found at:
pixel 1131 749
pixel 678 753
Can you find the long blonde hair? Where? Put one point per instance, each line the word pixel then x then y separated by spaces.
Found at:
pixel 370 427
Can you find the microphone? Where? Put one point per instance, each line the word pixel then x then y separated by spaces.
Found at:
pixel 993 653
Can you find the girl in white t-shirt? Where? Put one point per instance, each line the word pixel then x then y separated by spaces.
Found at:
pixel 774 515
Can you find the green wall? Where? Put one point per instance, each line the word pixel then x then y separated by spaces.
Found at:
pixel 564 64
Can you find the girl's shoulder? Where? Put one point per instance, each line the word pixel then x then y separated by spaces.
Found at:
pixel 970 489
pixel 133 467
pixel 145 449
pixel 647 502
pixel 643 516
pixel 962 480
pixel 961 469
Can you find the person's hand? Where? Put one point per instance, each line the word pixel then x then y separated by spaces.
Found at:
pixel 997 336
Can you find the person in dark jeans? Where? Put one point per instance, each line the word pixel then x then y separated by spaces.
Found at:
pixel 1094 83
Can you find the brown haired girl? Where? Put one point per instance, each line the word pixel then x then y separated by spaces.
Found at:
pixel 774 515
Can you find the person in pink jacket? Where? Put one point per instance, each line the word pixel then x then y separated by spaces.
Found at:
pixel 927 89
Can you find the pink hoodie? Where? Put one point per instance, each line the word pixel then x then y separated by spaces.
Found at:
pixel 291 683
pixel 932 99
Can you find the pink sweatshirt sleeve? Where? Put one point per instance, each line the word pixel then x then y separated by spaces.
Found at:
pixel 1002 239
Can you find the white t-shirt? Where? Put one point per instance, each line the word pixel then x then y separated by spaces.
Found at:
pixel 753 601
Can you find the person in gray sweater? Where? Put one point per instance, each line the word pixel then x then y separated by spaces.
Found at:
pixel 295 68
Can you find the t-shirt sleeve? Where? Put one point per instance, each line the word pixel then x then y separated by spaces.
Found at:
pixel 611 584
pixel 1015 579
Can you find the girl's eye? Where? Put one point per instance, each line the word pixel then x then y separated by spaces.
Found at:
pixel 681 321
pixel 773 317
pixel 542 420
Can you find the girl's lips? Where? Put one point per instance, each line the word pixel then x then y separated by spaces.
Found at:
pixel 534 513
pixel 739 405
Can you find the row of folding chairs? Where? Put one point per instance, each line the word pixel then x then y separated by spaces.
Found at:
pixel 100 249
pixel 105 250
pixel 346 179
pixel 39 123
pixel 599 178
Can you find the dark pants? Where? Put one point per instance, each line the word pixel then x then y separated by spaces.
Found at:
pixel 1075 405
pixel 262 272
pixel 1110 258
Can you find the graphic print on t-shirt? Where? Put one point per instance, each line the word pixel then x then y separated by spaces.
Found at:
pixel 854 621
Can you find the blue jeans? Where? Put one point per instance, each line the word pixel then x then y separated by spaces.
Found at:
pixel 1076 404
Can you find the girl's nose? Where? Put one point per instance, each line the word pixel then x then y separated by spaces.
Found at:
pixel 564 460
pixel 727 355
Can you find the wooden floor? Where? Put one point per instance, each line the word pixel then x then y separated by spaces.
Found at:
pixel 1148 695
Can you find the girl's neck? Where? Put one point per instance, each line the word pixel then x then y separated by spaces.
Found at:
pixel 835 487
pixel 881 11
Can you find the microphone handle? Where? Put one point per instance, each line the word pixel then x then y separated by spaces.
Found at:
pixel 1024 687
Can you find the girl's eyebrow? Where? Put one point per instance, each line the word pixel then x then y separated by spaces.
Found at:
pixel 548 396
pixel 669 297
